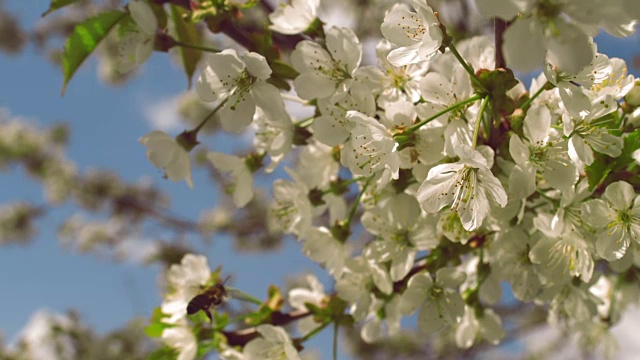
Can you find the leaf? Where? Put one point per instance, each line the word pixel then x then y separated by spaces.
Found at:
pixel 156 326
pixel 163 353
pixel 188 33
pixel 57 4
pixel 603 165
pixel 85 38
pixel 155 330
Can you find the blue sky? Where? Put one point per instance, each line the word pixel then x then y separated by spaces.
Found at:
pixel 106 123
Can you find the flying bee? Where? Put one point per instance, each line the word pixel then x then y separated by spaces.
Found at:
pixel 213 296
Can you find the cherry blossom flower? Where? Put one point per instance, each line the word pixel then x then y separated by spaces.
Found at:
pixel 417 34
pixel 370 148
pixel 440 303
pixel 376 325
pixel 241 187
pixel 402 232
pixel 186 281
pixel 586 136
pixel 561 253
pixel 240 81
pixel 166 154
pixel 465 185
pixel 539 154
pixel 275 344
pixel 294 18
pixel 327 72
pixel 616 218
pixel 136 41
pixel 182 339
pixel 487 325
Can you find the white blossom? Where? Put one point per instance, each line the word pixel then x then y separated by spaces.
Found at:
pixel 327 73
pixel 465 185
pixel 182 339
pixel 416 34
pixel 241 187
pixel 166 154
pixel 616 218
pixel 240 81
pixel 274 344
pixel 295 17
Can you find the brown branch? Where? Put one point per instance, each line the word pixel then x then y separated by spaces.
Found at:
pixel 243 336
pixel 499 27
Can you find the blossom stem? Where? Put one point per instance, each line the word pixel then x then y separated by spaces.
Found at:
pixel 314 332
pixel 209 117
pixel 527 103
pixel 465 65
pixel 354 207
pixel 303 122
pixel 294 98
pixel 476 128
pixel 335 340
pixel 415 127
pixel 196 47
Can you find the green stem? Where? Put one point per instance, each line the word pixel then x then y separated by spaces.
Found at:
pixel 542 194
pixel 476 128
pixel 465 65
pixel 314 332
pixel 209 117
pixel 302 122
pixel 196 47
pixel 354 207
pixel 527 103
pixel 344 184
pixel 335 340
pixel 415 127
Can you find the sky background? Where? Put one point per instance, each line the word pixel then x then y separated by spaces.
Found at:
pixel 105 124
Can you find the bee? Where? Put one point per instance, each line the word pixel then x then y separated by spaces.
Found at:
pixel 213 296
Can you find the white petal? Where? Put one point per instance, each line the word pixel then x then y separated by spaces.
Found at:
pixel 612 244
pixel 268 98
pixel 257 65
pixel 524 45
pixel 436 191
pixel 431 317
pixel 537 124
pixel 573 98
pixel 405 55
pixel 144 17
pixel 522 181
pixel 344 47
pixel 397 26
pixel 518 150
pixel 620 195
pixel 238 112
pixel 596 213
pixel 310 85
pixel 506 10
pixel 492 186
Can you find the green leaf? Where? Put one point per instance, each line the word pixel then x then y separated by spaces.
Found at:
pixel 604 166
pixel 187 32
pixel 156 326
pixel 85 38
pixel 155 330
pixel 57 4
pixel 163 353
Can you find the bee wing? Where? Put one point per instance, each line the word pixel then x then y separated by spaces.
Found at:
pixel 242 296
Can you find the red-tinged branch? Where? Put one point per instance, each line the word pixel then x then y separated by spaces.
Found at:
pixel 499 27
pixel 243 336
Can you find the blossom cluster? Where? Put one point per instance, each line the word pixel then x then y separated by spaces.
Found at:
pixel 463 178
